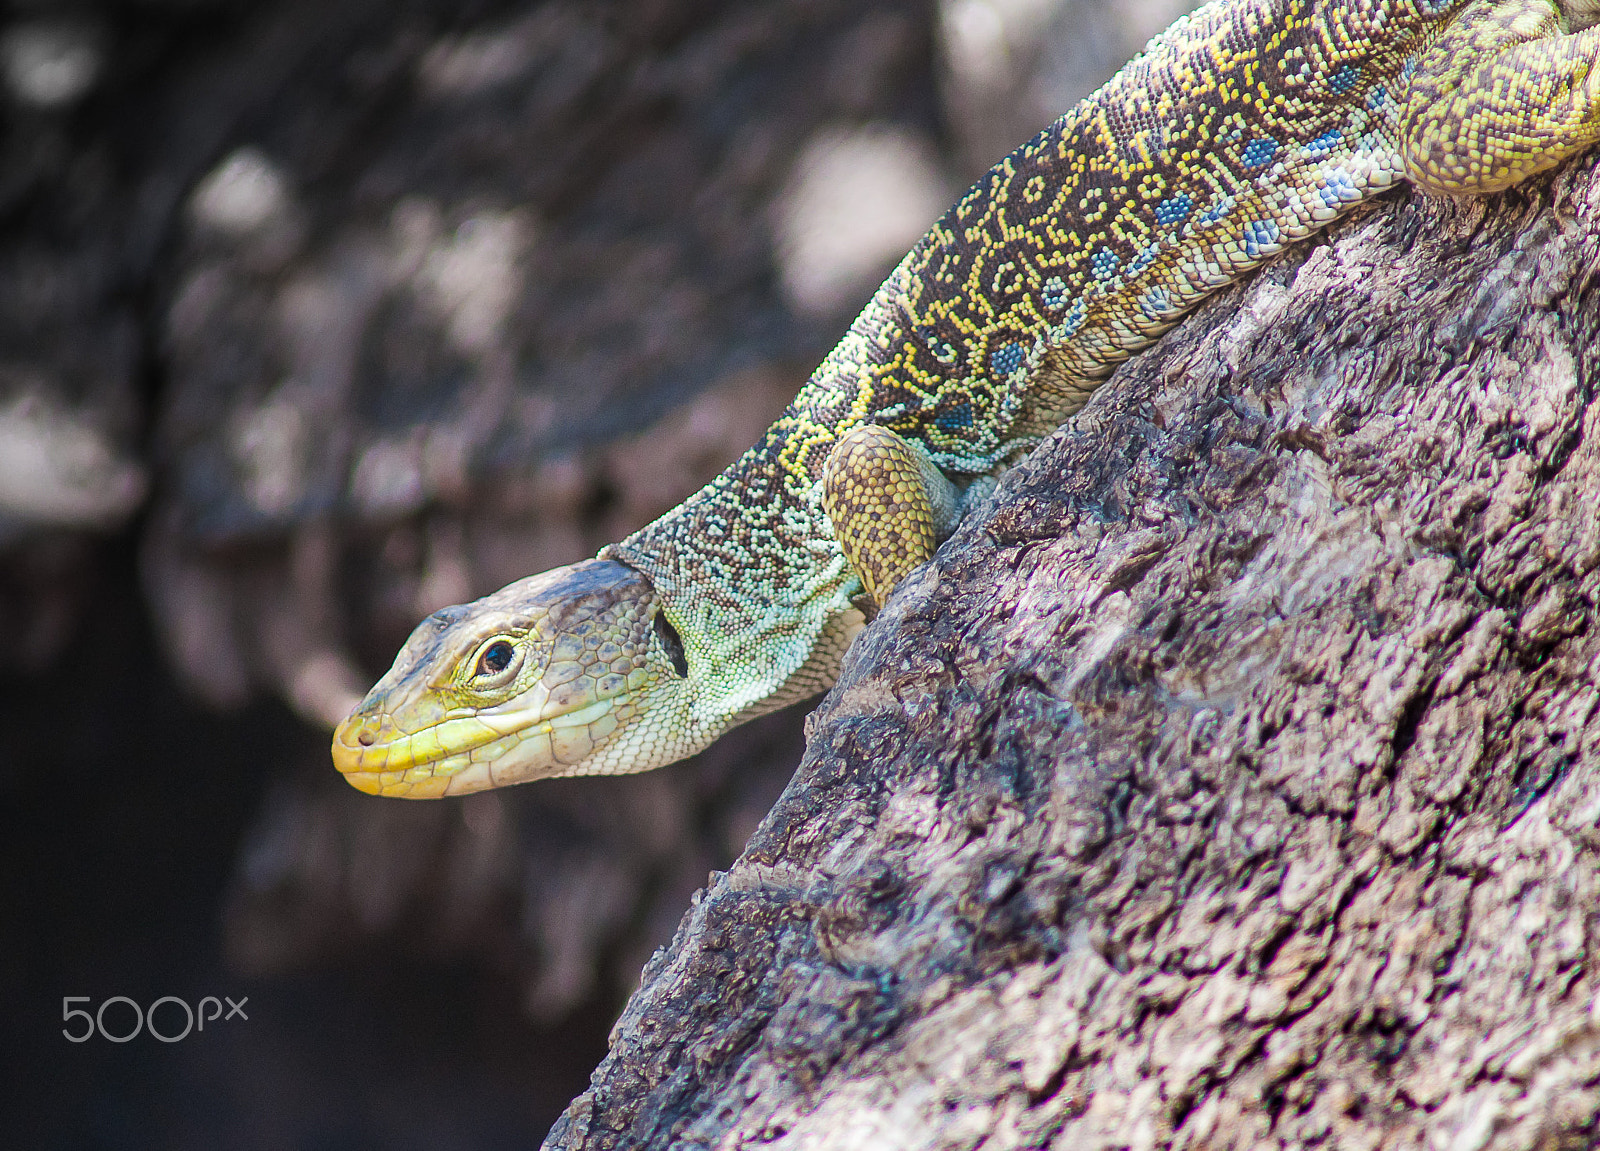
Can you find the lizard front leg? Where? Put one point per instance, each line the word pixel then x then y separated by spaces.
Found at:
pixel 888 504
pixel 1505 92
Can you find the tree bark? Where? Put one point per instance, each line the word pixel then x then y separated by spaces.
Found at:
pixel 1231 780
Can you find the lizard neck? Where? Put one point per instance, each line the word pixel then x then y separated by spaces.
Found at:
pixel 751 577
pixel 748 569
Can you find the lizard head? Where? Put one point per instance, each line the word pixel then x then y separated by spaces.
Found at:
pixel 577 671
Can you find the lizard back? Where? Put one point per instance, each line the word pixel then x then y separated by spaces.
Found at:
pixel 1245 126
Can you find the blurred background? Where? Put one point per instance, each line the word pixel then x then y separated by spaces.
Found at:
pixel 315 316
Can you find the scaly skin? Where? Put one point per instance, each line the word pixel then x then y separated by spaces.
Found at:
pixel 1246 126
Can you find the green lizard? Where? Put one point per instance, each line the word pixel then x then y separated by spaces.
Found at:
pixel 1244 127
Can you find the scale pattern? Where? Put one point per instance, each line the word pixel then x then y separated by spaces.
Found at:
pixel 1243 128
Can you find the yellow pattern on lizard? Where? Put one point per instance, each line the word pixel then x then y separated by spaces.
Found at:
pixel 1244 127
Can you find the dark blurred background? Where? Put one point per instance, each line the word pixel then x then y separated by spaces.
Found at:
pixel 315 316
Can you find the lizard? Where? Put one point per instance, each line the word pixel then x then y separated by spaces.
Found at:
pixel 1246 126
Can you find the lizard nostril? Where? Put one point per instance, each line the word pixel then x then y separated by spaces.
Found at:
pixel 366 739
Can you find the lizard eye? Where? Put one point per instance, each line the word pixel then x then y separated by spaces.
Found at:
pixel 494 659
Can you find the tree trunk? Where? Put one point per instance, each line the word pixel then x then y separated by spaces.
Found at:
pixel 1231 780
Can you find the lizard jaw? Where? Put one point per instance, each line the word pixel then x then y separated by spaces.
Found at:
pixel 525 738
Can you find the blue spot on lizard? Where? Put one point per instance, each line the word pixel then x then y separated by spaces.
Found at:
pixel 1259 152
pixel 1007 358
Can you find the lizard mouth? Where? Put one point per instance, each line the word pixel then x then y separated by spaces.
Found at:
pixel 526 737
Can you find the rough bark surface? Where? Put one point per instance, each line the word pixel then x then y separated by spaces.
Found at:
pixel 1231 781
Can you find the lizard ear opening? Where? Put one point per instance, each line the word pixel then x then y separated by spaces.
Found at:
pixel 672 643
